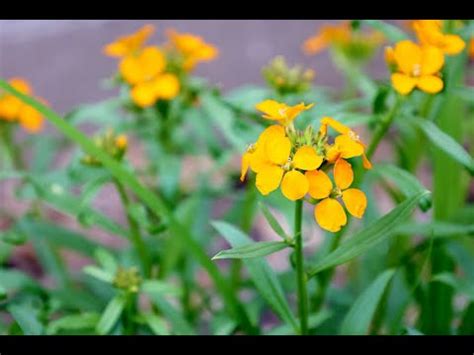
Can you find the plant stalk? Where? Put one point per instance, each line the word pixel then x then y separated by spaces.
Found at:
pixel 300 272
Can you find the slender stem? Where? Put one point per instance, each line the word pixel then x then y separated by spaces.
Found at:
pixel 382 129
pixel 136 238
pixel 13 150
pixel 301 275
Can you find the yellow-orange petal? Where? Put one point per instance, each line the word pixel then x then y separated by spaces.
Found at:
pixel 432 60
pixel 453 44
pixel 330 215
pixel 404 84
pixel 320 184
pixel 294 185
pixel 166 86
pixel 389 55
pixel 306 158
pixel 245 164
pixel 268 179
pixel 21 85
pixel 430 84
pixel 343 174
pixel 408 55
pixel 355 202
pixel 10 107
pixel 30 119
pixel 143 94
pixel 366 162
pixel 278 150
pixel 259 160
pixel 335 125
pixel 143 67
pixel 348 147
pixel 294 111
pixel 332 153
pixel 270 133
pixel 315 44
pixel 272 109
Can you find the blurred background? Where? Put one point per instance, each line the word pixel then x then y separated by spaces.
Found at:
pixel 63 60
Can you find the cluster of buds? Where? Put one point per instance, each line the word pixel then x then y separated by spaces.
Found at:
pixel 297 162
pixel 285 79
pixel 128 280
pixel 114 145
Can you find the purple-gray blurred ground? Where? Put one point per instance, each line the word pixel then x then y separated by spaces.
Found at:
pixel 64 62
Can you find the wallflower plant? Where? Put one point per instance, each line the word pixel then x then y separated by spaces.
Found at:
pixel 141 187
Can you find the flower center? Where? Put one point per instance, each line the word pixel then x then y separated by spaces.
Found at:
pixel 336 192
pixel 416 70
pixel 353 136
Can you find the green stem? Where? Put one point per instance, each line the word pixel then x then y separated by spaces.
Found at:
pixel 382 128
pixel 135 236
pixel 12 149
pixel 300 273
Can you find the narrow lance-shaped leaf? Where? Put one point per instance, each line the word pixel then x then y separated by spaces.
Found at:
pixel 370 236
pixel 277 228
pixel 253 250
pixel 260 272
pixel 359 317
pixel 111 315
pixel 445 143
pixel 408 184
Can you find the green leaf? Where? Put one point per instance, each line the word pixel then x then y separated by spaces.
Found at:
pixel 464 287
pixel 314 321
pixel 408 184
pixel 27 318
pixel 106 260
pixel 81 321
pixel 359 317
pixel 412 331
pixel 277 228
pixel 445 143
pixel 370 236
pixel 157 324
pixel 253 250
pixel 260 272
pixel 111 315
pixel 179 324
pixel 99 274
pixel 160 288
pixel 393 33
pixel 436 229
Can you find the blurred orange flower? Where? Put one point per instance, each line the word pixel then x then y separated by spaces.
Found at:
pixel 129 44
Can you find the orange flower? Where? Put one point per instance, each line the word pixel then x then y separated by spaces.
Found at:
pixel 280 112
pixel 329 212
pixel 13 109
pixel 129 44
pixel 346 145
pixel 328 34
pixel 418 66
pixel 193 48
pixel 429 32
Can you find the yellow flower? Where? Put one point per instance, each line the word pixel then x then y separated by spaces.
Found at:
pixel 281 112
pixel 346 145
pixel 471 48
pixel 389 56
pixel 129 44
pixel 121 141
pixel 273 160
pixel 144 66
pixel 429 32
pixel 13 109
pixel 328 34
pixel 193 48
pixel 145 72
pixel 329 212
pixel 418 66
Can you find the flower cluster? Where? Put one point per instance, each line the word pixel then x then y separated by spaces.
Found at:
pixel 296 162
pixel 354 43
pixel 418 65
pixel 152 72
pixel 13 109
